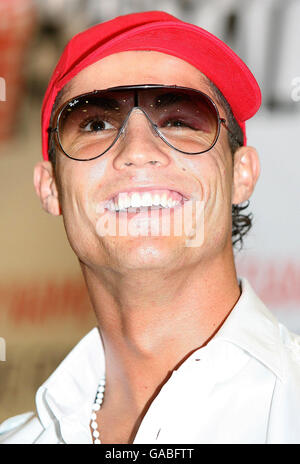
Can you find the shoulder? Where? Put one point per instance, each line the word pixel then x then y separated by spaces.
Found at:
pixel 290 343
pixel 258 330
pixel 23 428
pixel 284 425
pixel 27 429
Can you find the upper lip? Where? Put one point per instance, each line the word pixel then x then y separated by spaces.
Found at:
pixel 147 188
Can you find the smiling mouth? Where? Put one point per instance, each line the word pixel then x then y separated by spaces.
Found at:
pixel 134 202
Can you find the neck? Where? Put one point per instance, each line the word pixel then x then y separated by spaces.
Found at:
pixel 150 321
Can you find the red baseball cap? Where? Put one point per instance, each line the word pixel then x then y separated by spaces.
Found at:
pixel 158 31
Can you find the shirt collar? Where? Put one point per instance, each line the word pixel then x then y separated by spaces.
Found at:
pixel 69 392
pixel 254 329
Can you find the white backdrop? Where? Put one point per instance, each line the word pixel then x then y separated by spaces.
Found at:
pixel 271 256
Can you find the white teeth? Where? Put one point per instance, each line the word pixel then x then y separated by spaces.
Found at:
pixel 170 203
pixel 135 200
pixel 156 199
pixel 123 201
pixel 147 199
pixel 111 205
pixel 164 200
pixel 126 200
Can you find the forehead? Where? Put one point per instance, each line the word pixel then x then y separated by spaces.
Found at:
pixel 136 67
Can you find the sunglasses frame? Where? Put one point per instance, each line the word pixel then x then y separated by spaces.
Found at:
pixel 54 129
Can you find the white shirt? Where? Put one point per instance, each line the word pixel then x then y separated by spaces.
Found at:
pixel 242 387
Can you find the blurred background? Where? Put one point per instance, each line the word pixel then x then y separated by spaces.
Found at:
pixel 44 308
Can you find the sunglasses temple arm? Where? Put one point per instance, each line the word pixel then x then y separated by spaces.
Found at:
pixel 223 122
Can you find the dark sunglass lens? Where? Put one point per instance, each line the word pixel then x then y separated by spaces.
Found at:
pixel 187 119
pixel 89 124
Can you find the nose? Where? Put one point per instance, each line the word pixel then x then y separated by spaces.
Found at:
pixel 139 144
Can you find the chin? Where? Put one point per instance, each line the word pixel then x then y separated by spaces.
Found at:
pixel 149 253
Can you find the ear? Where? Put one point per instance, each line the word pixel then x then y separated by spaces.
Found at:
pixel 246 171
pixel 45 187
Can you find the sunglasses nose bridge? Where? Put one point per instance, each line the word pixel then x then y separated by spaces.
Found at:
pixel 133 121
pixel 131 117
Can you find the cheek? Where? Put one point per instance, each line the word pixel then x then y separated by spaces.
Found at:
pixel 188 166
pixel 211 175
pixel 90 181
pixel 97 172
pixel 200 170
pixel 221 168
pixel 80 183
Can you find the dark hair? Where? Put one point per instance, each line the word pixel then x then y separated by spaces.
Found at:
pixel 241 223
pixel 51 140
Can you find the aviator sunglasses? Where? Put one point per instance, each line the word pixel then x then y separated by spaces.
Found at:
pixel 89 125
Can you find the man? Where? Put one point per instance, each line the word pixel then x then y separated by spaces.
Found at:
pixel 184 352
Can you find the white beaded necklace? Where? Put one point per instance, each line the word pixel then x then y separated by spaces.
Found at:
pixel 96 406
